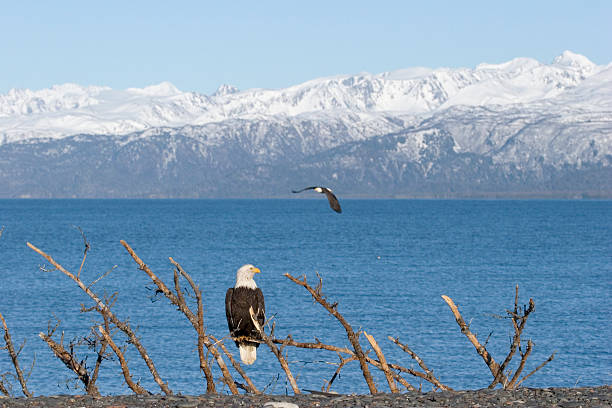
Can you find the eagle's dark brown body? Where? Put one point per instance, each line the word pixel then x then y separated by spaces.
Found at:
pixel 237 304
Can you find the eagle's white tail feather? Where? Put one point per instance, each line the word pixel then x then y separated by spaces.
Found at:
pixel 248 354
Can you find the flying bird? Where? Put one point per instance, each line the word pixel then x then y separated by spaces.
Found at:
pixel 244 295
pixel 333 201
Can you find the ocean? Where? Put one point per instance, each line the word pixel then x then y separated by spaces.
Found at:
pixel 385 262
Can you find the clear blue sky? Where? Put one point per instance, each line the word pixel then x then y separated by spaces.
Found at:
pixel 199 45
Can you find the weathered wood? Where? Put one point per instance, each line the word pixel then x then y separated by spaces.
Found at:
pixel 14 356
pixel 124 367
pixel 352 336
pixel 104 309
pixel 276 351
pixel 480 349
pixel 429 375
pixel 383 362
pixel 70 361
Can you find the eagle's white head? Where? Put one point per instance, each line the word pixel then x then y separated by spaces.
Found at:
pixel 244 276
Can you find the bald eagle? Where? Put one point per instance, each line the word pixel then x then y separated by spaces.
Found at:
pixel 333 201
pixel 244 295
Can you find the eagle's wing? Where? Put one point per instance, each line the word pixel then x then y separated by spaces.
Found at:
pixel 333 201
pixel 260 306
pixel 228 309
pixel 304 189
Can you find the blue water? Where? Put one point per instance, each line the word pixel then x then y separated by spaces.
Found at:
pixel 386 262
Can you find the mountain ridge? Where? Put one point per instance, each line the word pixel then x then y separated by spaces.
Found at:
pixel 516 129
pixel 68 109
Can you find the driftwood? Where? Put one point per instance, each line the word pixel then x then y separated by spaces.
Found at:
pixel 105 311
pixel 207 343
pixel 519 320
pixel 352 336
pixel 428 374
pixel 277 352
pixel 383 362
pixel 124 367
pixel 71 361
pixel 343 362
pixel 4 392
pixel 390 370
pixel 14 358
pixel 250 386
pixel 196 319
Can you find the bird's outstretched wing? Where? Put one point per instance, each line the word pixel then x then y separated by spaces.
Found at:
pixel 304 189
pixel 333 201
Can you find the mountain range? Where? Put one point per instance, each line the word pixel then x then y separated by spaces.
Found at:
pixel 517 129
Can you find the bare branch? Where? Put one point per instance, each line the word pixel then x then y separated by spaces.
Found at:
pixel 275 350
pixel 383 362
pixel 197 320
pixel 15 360
pixel 70 360
pixel 102 276
pixel 343 362
pixel 250 387
pixel 3 390
pixel 104 309
pixel 518 322
pixel 317 345
pixel 521 366
pixel 548 360
pixel 480 349
pixel 429 375
pixel 101 352
pixel 352 336
pixel 124 367
pixel 87 247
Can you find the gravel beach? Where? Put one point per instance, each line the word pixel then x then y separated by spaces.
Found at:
pixel 524 397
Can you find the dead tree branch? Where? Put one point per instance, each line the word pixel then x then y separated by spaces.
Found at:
pixel 102 351
pixel 276 351
pixel 548 360
pixel 518 319
pixel 383 362
pixel 480 349
pixel 197 322
pixel 343 362
pixel 196 319
pixel 352 336
pixel 14 357
pixel 317 345
pixel 3 390
pixel 87 247
pixel 105 310
pixel 69 359
pixel 123 363
pixel 250 387
pixel 428 374
pixel 518 322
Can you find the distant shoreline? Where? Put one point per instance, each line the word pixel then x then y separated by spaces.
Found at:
pixel 604 196
pixel 542 397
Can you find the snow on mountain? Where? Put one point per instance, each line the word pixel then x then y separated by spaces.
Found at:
pixel 519 128
pixel 69 109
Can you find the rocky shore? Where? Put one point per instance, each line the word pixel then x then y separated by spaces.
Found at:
pixel 524 397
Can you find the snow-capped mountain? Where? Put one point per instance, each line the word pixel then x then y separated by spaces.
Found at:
pixel 70 109
pixel 512 128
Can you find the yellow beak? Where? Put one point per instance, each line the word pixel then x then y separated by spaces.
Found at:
pixel 256 270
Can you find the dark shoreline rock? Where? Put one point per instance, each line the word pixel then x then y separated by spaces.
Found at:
pixel 524 397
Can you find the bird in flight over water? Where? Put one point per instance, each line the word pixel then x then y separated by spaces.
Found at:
pixel 333 201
